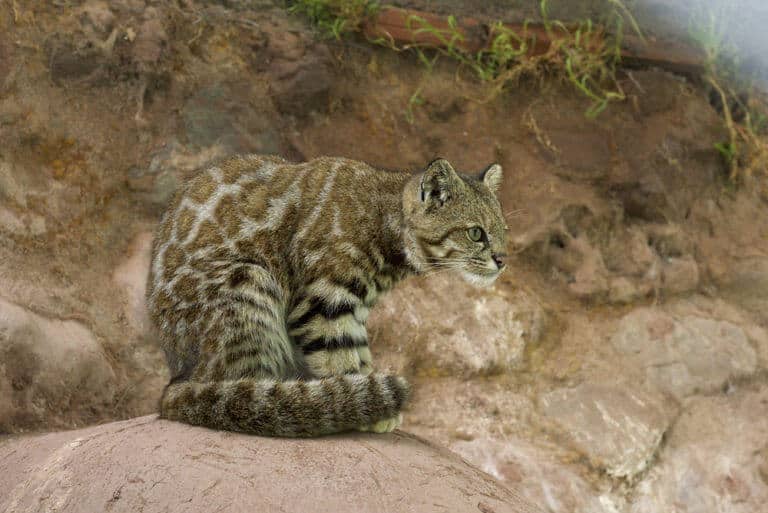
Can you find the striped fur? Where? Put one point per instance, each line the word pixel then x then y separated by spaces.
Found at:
pixel 263 274
pixel 287 408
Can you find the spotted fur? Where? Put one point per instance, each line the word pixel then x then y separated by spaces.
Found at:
pixel 263 273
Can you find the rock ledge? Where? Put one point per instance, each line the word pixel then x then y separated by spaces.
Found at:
pixel 147 464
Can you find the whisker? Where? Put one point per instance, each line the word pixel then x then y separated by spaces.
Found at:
pixel 433 272
pixel 444 258
pixel 447 264
pixel 444 269
pixel 515 213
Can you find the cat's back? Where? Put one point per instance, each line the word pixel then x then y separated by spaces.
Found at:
pixel 210 208
pixel 265 204
pixel 243 197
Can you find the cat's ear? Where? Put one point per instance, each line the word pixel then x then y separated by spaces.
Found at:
pixel 491 177
pixel 439 182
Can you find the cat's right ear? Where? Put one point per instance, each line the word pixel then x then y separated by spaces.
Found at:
pixel 438 182
pixel 491 177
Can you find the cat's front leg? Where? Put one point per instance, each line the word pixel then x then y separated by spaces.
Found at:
pixel 332 361
pixel 333 340
pixel 366 359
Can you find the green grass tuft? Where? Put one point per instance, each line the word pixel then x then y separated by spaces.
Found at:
pixel 580 52
pixel 335 18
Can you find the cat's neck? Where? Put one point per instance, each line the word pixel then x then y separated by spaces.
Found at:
pixel 393 233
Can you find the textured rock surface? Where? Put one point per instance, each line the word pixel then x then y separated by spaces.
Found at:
pixel 299 70
pixel 448 327
pixel 542 477
pixel 746 284
pixel 619 430
pixel 131 275
pixel 687 354
pixel 715 459
pixel 213 116
pixel 44 365
pixel 148 464
pixel 454 409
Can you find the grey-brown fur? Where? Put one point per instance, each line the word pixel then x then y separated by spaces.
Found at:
pixel 263 273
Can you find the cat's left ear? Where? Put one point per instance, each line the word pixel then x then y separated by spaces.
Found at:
pixel 439 182
pixel 491 177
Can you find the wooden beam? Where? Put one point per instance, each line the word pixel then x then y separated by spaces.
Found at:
pixel 405 27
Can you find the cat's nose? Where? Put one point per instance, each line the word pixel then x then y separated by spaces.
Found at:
pixel 498 258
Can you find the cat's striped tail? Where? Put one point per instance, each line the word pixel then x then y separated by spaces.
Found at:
pixel 287 408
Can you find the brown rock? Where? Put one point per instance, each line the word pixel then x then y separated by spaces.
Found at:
pixel 131 6
pixel 591 277
pixel 687 354
pixel 618 429
pixel 456 329
pixel 306 90
pixel 679 275
pixel 151 465
pixel 72 62
pixel 445 409
pixel 744 282
pixel 537 472
pixel 98 15
pixel 151 40
pixel 5 62
pixel 713 458
pixel 47 368
pixel 622 290
pixel 299 70
pixel 628 253
pixel 131 276
pixel 585 152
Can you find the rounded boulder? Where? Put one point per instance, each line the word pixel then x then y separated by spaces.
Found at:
pixel 151 465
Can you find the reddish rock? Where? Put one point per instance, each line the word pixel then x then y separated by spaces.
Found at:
pixel 684 355
pixel 457 329
pixel 619 430
pixel 151 465
pixel 299 70
pixel 47 367
pixel 714 460
pixel 131 276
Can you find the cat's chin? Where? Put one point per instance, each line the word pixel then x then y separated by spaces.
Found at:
pixel 478 280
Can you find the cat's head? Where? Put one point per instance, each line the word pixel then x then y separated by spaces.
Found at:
pixel 455 222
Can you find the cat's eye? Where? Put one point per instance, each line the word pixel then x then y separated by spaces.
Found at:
pixel 475 234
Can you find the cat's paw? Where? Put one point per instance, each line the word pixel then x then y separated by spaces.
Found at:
pixel 384 426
